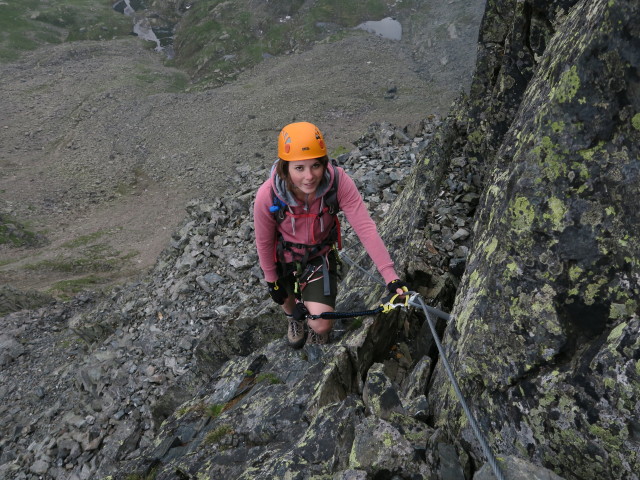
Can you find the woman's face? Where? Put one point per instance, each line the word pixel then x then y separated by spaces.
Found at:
pixel 305 175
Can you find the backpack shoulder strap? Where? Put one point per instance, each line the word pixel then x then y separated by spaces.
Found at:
pixel 331 197
pixel 277 207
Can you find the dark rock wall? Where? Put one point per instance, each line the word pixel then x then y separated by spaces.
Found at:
pixel 545 340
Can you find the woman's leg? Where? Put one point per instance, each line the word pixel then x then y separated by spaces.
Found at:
pixel 319 325
pixel 288 305
pixel 314 293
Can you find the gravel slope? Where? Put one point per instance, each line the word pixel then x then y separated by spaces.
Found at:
pixel 95 153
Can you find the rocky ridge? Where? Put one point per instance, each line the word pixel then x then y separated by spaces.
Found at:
pixel 125 363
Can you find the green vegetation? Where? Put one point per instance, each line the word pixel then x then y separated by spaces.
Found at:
pixel 86 260
pixel 91 262
pixel 217 39
pixel 66 289
pixel 28 24
pixel 269 377
pixel 214 410
pixel 216 435
pixel 340 150
pixel 158 81
pixel 140 476
pixel 14 233
pixel 84 240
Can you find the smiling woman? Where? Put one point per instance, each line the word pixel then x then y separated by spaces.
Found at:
pixel 295 216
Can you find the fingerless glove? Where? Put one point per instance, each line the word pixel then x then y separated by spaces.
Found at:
pixel 278 294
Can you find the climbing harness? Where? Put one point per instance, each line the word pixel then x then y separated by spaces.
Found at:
pixel 329 206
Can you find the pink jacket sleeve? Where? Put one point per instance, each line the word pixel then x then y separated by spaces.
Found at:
pixel 265 230
pixel 355 210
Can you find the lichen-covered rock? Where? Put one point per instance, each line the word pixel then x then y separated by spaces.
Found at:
pixel 546 337
pixel 379 395
pixel 381 450
pixel 516 468
pixel 283 413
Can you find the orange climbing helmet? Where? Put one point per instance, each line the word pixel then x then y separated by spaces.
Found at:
pixel 301 141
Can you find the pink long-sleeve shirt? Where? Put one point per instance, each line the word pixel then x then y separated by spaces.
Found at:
pixel 308 230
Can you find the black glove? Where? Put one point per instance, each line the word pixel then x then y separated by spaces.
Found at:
pixel 300 312
pixel 395 284
pixel 278 294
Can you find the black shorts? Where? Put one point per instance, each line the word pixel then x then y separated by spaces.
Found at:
pixel 312 280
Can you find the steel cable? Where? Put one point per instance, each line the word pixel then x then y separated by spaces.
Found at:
pixel 474 425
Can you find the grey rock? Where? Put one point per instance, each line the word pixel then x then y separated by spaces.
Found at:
pixel 10 349
pixel 516 468
pixel 379 395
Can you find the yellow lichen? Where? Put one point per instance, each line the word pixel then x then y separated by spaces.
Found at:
pixel 522 214
pixel 567 86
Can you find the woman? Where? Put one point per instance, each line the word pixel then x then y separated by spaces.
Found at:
pixel 296 231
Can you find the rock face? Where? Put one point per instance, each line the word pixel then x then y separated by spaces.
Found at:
pixel 546 333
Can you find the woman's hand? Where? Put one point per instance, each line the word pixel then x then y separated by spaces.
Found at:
pixel 397 286
pixel 278 294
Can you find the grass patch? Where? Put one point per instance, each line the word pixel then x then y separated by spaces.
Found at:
pixel 75 265
pixel 214 410
pixel 28 24
pixel 214 436
pixel 69 288
pixel 155 81
pixel 84 240
pixel 340 150
pixel 269 377
pixel 217 39
pixel 16 234
pixel 89 259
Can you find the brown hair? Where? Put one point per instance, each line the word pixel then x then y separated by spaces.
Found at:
pixel 282 169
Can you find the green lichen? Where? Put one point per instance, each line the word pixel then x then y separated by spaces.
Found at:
pixel 387 440
pixel 353 459
pixel 624 241
pixel 553 161
pixel 557 127
pixel 489 249
pixel 558 211
pixel 635 121
pixel 522 214
pixel 575 272
pixel 592 290
pixel 567 86
pixel 616 333
pixel 589 153
pixel 617 310
pixel 475 137
pixel 613 442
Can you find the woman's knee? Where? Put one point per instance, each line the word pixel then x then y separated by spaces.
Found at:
pixel 320 326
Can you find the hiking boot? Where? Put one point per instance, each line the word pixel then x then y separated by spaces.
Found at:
pixel 296 333
pixel 317 338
